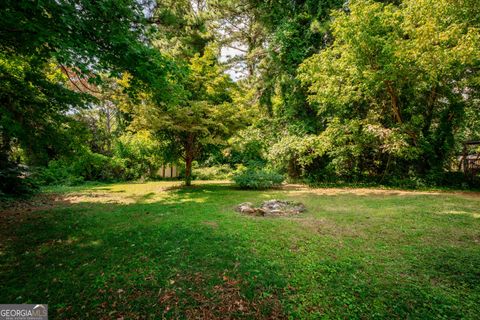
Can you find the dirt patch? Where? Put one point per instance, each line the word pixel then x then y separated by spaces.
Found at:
pixel 327 227
pixel 37 203
pixel 303 189
pixel 212 224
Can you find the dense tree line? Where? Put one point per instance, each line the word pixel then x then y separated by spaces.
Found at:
pixel 380 91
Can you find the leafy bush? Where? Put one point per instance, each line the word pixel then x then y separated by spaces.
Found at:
pixel 134 156
pixel 251 178
pixel 141 154
pixel 97 167
pixel 452 179
pixel 219 172
pixel 248 146
pixel 15 180
pixel 293 153
pixel 56 173
pixel 87 166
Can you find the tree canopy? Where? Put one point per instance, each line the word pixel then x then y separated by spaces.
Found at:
pixel 399 77
pixel 319 90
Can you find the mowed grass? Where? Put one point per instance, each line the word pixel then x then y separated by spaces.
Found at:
pixel 154 250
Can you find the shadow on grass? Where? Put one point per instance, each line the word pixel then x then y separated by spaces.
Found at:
pixel 184 256
pixel 135 261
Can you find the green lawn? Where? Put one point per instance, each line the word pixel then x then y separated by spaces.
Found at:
pixel 156 251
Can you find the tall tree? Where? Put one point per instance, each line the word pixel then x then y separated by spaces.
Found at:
pixel 182 27
pixel 399 74
pixel 204 118
pixel 38 38
pixel 86 36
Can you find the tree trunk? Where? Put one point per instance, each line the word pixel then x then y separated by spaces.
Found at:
pixel 190 153
pixel 188 170
pixel 394 102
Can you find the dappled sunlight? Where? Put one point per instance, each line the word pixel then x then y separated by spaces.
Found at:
pixel 172 192
pixel 124 194
pixel 360 192
pixel 338 132
pixel 139 187
pixel 302 190
pixel 475 215
pixel 92 243
pixel 165 192
pixel 54 244
pixel 196 200
pixel 164 244
pixel 149 192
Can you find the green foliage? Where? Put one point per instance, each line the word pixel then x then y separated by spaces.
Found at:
pixel 293 154
pixel 377 91
pixel 205 118
pixel 218 172
pixel 91 37
pixel 296 30
pixel 56 173
pixel 15 181
pixel 257 178
pixel 34 101
pixel 453 180
pixel 247 147
pixel 44 44
pixel 85 166
pixel 393 96
pixel 140 153
pixel 135 156
pixel 183 30
pixel 93 166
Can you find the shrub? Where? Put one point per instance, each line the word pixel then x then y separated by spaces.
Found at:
pixel 248 146
pixel 219 172
pixel 251 178
pixel 15 181
pixel 86 166
pixel 94 166
pixel 140 153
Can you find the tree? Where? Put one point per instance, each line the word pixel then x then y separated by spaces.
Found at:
pixel 402 74
pixel 295 31
pixel 204 118
pixel 182 27
pixel 86 37
pixel 40 41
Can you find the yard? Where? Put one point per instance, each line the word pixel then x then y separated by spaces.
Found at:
pixel 153 250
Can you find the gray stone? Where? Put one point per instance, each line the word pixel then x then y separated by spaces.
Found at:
pixel 272 208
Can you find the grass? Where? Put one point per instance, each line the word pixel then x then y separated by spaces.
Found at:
pixel 155 250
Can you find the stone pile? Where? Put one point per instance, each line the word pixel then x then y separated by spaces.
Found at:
pixel 271 208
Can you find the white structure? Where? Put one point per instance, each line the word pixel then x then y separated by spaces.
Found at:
pixel 168 171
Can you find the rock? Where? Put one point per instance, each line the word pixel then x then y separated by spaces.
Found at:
pixel 277 212
pixel 272 208
pixel 246 207
pixel 300 207
pixel 259 212
pixel 247 210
